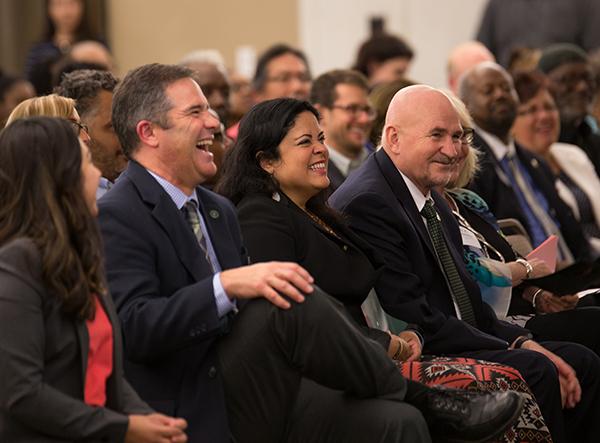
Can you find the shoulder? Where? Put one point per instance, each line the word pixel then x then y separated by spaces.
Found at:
pixel 262 208
pixel 22 259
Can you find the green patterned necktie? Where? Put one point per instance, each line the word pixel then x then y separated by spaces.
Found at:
pixel 191 215
pixel 455 284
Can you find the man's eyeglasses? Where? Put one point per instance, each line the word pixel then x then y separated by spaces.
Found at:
pixel 78 126
pixel 356 110
pixel 287 77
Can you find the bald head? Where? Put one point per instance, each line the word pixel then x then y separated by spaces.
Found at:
pixel 422 136
pixel 490 96
pixel 464 57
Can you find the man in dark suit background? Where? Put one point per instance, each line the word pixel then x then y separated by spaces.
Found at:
pixel 424 285
pixel 530 197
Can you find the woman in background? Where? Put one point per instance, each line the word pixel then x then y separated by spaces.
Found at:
pixel 61 375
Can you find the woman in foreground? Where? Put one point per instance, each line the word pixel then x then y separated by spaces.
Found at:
pixel 61 375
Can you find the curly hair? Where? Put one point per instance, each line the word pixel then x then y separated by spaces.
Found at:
pixel 41 198
pixel 84 85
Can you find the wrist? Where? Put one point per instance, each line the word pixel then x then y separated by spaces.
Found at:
pixel 520 341
pixel 527 266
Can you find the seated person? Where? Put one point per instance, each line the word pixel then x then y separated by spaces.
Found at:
pixel 497 269
pixel 61 376
pixel 278 177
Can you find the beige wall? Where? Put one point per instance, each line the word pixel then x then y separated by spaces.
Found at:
pixel 146 31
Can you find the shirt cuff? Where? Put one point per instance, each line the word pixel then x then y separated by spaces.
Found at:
pixel 224 304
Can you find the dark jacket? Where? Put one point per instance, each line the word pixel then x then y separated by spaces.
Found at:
pixel 43 359
pixel 502 201
pixel 163 290
pixel 412 286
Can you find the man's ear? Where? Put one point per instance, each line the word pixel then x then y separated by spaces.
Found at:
pixel 146 131
pixel 391 138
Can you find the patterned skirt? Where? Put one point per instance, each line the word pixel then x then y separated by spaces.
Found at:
pixel 479 375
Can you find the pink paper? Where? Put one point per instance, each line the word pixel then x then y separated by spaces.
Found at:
pixel 547 251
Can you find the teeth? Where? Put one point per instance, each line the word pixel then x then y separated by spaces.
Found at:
pixel 204 143
pixel 316 166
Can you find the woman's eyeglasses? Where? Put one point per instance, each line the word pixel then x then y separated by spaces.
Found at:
pixel 78 126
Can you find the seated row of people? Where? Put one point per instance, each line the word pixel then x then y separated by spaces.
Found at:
pixel 190 334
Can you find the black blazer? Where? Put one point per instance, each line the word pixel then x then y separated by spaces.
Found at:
pixel 336 178
pixel 43 359
pixel 500 196
pixel 412 286
pixel 162 286
pixel 343 267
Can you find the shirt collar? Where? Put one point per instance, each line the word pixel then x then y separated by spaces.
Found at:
pixel 343 163
pixel 415 193
pixel 177 195
pixel 498 147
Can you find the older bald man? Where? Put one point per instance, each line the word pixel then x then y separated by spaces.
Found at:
pixel 391 202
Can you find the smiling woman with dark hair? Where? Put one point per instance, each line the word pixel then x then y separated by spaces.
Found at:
pixel 60 352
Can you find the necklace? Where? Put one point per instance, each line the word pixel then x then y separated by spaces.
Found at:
pixel 322 224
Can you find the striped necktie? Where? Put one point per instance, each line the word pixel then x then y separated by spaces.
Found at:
pixel 190 211
pixel 455 284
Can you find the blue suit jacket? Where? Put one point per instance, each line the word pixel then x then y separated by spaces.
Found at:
pixel 412 286
pixel 162 287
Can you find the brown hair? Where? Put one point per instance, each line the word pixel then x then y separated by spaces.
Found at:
pixel 41 199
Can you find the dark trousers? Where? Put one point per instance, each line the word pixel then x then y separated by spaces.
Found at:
pixel 308 374
pixel 580 424
pixel 581 325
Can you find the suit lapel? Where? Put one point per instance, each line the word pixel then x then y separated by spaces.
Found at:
pixel 400 190
pixel 172 221
pixel 84 344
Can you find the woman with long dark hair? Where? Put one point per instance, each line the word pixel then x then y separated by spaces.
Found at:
pixel 61 374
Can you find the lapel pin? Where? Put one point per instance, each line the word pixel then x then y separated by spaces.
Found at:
pixel 276 196
pixel 214 213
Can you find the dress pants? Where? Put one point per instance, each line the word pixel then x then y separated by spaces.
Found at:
pixel 580 424
pixel 580 325
pixel 308 374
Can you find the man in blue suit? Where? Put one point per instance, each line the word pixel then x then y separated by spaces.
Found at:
pixel 389 202
pixel 176 269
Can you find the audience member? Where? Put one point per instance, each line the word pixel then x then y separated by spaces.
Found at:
pixel 391 203
pixel 13 90
pixel 178 279
pixel 536 128
pixel 51 106
pixel 66 24
pixel 502 275
pixel 283 217
pixel 537 24
pixel 514 182
pixel 93 94
pixel 220 145
pixel 60 341
pixel 572 84
pixel 281 71
pixel 383 58
pixel 240 98
pixel 211 75
pixel 462 58
pixel 341 97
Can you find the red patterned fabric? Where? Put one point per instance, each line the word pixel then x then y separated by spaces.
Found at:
pixel 478 375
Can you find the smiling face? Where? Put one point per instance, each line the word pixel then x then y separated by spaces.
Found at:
pixel 346 124
pixel 301 170
pixel 573 86
pixel 537 125
pixel 104 144
pixel 182 148
pixel 423 137
pixel 492 99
